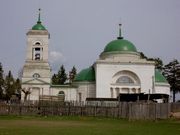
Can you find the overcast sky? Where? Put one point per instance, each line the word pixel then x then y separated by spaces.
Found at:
pixel 80 29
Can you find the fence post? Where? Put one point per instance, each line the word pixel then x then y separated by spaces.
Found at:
pixel 68 109
pixel 155 117
pixel 8 109
pixel 168 110
pixel 20 109
pixel 129 111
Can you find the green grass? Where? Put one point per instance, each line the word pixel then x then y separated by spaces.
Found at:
pixel 24 125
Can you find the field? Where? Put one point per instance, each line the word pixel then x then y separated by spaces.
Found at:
pixel 24 125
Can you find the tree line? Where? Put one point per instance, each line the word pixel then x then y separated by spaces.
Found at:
pixel 61 77
pixel 9 86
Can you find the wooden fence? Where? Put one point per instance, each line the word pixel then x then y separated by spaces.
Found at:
pixel 175 107
pixel 129 110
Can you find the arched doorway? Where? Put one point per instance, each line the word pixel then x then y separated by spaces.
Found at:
pixel 61 95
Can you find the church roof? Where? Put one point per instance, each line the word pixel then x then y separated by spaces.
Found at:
pixel 39 25
pixel 87 74
pixel 159 77
pixel 120 45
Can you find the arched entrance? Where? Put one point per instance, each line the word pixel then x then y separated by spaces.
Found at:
pixel 61 95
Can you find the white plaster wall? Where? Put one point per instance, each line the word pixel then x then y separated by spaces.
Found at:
pixel 88 90
pixel 36 91
pixel 70 93
pixel 105 72
pixel 30 68
pixel 162 88
pixel 43 39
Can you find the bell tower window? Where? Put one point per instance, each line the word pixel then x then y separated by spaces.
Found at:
pixel 37 43
pixel 37 53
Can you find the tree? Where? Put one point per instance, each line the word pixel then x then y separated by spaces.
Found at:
pixel 72 74
pixel 54 79
pixel 143 56
pixel 26 93
pixel 17 86
pixel 172 73
pixel 1 81
pixel 158 61
pixel 62 76
pixel 9 86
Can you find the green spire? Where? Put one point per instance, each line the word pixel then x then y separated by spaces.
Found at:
pixel 120 37
pixel 39 26
pixel 39 18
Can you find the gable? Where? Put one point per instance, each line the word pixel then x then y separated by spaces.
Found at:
pixel 36 81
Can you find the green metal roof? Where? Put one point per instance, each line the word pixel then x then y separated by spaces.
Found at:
pixel 159 77
pixel 120 45
pixel 87 74
pixel 38 26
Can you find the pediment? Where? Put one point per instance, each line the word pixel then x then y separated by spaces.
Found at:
pixel 35 81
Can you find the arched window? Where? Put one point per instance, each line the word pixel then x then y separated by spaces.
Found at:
pixel 125 80
pixel 61 93
pixel 37 43
pixel 37 53
pixel 126 77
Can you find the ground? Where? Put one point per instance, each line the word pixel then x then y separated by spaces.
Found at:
pixel 24 125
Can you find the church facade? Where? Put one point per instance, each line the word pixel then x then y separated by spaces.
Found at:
pixel 120 72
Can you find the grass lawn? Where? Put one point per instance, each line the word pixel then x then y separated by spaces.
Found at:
pixel 24 125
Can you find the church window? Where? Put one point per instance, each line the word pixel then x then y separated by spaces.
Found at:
pixel 61 92
pixel 61 95
pixel 36 75
pixel 37 53
pixel 125 80
pixel 37 43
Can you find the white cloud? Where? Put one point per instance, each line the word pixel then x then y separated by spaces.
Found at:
pixel 56 57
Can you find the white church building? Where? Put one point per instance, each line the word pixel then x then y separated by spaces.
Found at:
pixel 119 73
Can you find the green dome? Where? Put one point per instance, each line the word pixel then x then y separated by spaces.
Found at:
pixel 120 45
pixel 159 77
pixel 87 74
pixel 38 26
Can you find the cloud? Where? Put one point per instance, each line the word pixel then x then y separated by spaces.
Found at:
pixel 56 57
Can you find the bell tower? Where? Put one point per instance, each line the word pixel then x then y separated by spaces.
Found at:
pixel 36 71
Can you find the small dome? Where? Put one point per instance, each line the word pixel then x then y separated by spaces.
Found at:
pixel 120 45
pixel 159 77
pixel 38 26
pixel 87 74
